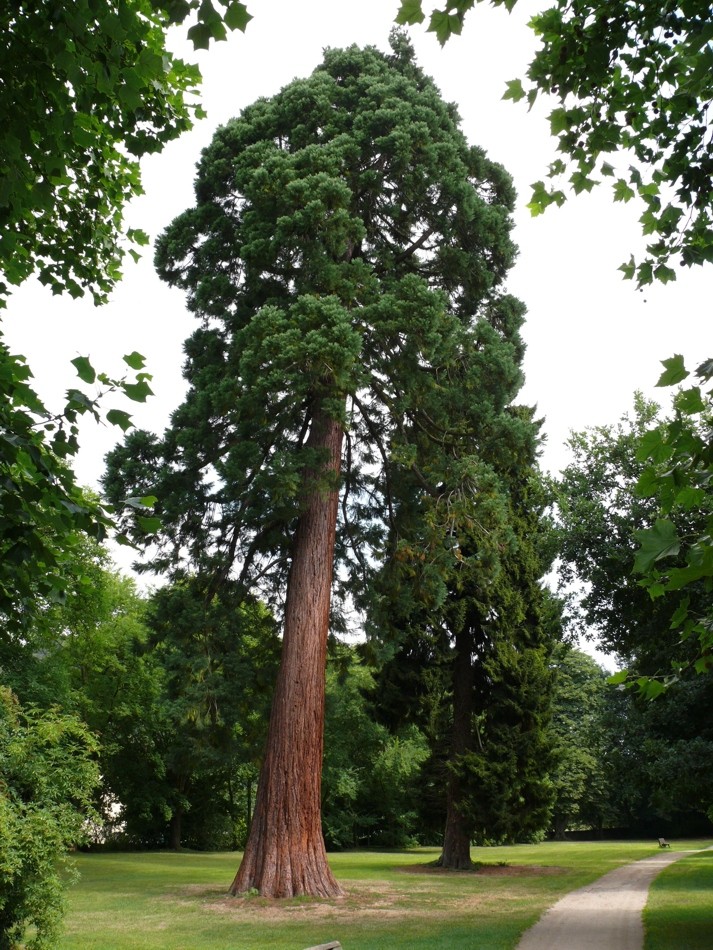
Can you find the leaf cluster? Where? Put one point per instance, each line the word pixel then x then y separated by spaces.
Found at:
pixel 633 80
pixel 87 89
pixel 444 22
pixel 43 512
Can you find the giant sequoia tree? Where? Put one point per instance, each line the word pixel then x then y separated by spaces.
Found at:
pixel 345 258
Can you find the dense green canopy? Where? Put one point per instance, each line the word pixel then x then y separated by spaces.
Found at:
pixel 347 246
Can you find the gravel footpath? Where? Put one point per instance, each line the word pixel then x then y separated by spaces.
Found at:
pixel 605 915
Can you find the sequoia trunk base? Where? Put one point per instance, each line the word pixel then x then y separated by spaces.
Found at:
pixel 285 854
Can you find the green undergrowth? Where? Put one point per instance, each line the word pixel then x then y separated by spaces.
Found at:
pixel 679 912
pixel 167 901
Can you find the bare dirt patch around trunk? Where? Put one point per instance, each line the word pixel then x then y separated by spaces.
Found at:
pixel 423 897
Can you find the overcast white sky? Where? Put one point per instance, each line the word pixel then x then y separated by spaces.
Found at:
pixel 592 338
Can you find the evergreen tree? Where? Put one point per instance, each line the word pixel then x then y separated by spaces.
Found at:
pixel 477 665
pixel 345 257
pixel 500 754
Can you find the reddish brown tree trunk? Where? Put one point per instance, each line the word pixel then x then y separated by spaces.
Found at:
pixel 456 840
pixel 285 853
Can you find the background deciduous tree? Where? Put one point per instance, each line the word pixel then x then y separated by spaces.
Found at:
pixel 602 506
pixel 372 782
pixel 48 778
pixel 218 658
pixel 610 496
pixel 582 775
pixel 675 555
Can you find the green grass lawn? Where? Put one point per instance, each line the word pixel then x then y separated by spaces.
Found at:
pixel 166 901
pixel 680 908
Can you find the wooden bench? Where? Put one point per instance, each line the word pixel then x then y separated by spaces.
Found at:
pixel 663 843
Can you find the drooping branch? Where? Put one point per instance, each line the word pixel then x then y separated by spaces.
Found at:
pixel 345 505
pixel 371 428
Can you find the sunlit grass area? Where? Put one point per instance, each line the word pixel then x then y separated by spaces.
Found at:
pixel 680 908
pixel 167 901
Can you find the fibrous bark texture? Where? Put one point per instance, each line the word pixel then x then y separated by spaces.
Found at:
pixel 285 854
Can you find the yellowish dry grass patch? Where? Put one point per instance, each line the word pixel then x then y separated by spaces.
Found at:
pixel 389 899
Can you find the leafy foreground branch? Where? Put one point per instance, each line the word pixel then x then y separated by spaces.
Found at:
pixel 635 86
pixel 88 88
pixel 676 554
pixel 43 512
